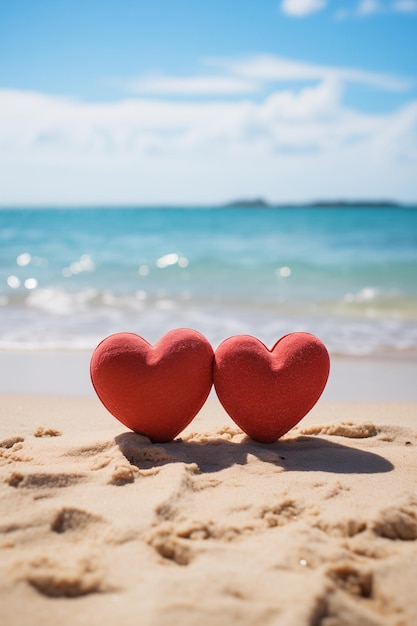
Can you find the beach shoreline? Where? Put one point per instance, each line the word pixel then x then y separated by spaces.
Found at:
pixel 352 379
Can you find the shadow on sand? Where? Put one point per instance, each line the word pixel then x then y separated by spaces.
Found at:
pixel 298 454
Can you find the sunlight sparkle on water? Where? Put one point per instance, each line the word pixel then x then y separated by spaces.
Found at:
pixel 284 271
pixel 143 270
pixel 23 259
pixel 13 282
pixel 172 259
pixel 31 283
pixel 83 264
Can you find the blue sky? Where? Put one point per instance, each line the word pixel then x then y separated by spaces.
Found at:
pixel 136 102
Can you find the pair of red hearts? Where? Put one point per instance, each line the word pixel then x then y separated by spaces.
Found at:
pixel 157 390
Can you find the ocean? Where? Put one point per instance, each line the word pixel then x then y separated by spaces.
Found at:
pixel 70 277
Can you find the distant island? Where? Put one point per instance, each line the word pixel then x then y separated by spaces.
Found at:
pixel 252 202
pixel 261 203
pixel 355 203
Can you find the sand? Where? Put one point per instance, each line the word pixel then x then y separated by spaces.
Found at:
pixel 352 379
pixel 99 526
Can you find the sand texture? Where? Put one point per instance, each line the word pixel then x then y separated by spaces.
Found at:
pixel 99 526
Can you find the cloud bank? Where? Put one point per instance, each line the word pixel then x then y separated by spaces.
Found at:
pixel 301 8
pixel 363 8
pixel 258 137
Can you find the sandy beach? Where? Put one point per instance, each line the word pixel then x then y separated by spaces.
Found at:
pixel 205 208
pixel 99 526
pixel 53 372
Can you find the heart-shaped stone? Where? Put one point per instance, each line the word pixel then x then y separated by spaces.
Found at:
pixel 267 392
pixel 153 390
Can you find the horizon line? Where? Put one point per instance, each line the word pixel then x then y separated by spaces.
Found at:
pixel 240 203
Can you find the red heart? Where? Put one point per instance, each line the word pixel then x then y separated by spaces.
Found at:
pixel 153 390
pixel 267 392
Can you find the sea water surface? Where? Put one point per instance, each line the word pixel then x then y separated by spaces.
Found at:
pixel 70 277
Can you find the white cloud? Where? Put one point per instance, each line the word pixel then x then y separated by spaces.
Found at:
pixel 190 85
pixel 271 68
pixel 301 8
pixel 405 6
pixel 292 144
pixel 369 7
pixel 364 8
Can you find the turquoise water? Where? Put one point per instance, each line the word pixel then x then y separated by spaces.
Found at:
pixel 70 277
